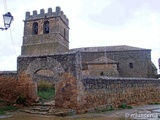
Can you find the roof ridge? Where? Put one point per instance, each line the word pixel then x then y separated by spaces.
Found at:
pixel 108 48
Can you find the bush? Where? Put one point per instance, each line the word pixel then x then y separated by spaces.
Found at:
pixel 6 108
pixel 2 101
pixel 129 107
pixel 125 106
pixel 21 100
pixel 156 103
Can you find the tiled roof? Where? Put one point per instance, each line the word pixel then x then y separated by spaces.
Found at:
pixel 102 60
pixel 108 48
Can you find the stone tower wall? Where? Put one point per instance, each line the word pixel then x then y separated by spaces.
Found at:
pixel 159 64
pixel 57 40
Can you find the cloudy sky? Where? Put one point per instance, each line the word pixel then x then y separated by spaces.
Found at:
pixel 92 23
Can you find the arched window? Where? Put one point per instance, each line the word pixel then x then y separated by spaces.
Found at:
pixel 35 28
pixel 46 27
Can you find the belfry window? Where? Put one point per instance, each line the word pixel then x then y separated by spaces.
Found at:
pixel 46 27
pixel 35 28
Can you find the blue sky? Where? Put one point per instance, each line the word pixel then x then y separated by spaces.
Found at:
pixel 92 23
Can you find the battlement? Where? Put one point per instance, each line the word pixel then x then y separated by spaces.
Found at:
pixel 49 14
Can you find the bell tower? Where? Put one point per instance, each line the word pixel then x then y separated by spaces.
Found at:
pixel 45 33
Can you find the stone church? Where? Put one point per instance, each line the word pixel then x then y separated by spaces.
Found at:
pixel 47 34
pixel 85 79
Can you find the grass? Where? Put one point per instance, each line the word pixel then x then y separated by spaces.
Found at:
pixel 124 106
pixel 108 109
pixel 3 110
pixel 2 101
pixel 46 95
pixel 46 91
pixel 156 103
pixel 97 110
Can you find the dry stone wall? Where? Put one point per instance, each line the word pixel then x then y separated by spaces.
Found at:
pixel 115 91
pixel 12 86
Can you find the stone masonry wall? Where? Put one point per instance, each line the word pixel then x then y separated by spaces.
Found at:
pixel 57 63
pixel 98 69
pixel 66 69
pixel 69 89
pixel 12 86
pixel 139 58
pixel 57 40
pixel 115 91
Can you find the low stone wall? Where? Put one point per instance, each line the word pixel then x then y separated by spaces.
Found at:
pixel 115 91
pixel 13 86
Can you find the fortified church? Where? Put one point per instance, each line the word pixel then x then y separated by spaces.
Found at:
pixel 48 34
pixel 85 79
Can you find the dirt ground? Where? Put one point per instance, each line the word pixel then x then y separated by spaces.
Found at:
pixel 109 115
pixel 25 116
pixel 17 115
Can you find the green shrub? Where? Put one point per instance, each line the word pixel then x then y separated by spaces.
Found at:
pixel 129 107
pixel 7 108
pixel 111 108
pixel 2 112
pixel 2 101
pixel 156 103
pixel 125 106
pixel 108 109
pixel 104 110
pixel 21 100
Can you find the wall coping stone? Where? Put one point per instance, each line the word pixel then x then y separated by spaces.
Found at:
pixel 49 55
pixel 8 72
pixel 117 78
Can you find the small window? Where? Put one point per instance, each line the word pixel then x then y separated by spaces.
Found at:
pixel 64 33
pixel 35 28
pixel 102 74
pixel 46 27
pixel 131 65
pixel 118 65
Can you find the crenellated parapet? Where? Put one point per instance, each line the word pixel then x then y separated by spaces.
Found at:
pixel 42 15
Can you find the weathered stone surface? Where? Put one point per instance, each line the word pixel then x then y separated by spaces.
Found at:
pixel 41 43
pixel 66 92
pixel 140 59
pixel 115 91
pixel 11 87
pixel 42 60
pixel 57 64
